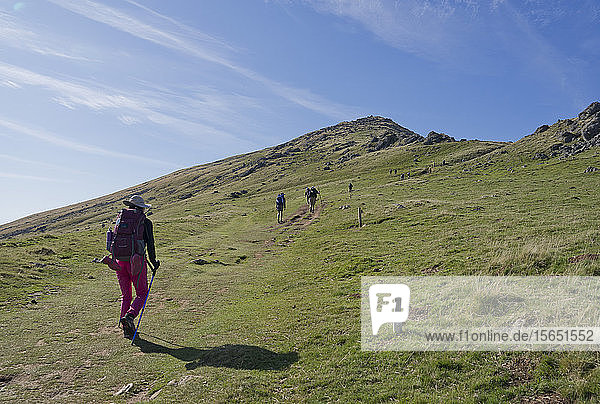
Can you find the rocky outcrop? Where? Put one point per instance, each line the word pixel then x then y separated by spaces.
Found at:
pixel 434 137
pixel 384 142
pixel 542 129
pixel 567 137
pixel 579 134
pixel 394 133
pixel 384 133
pixel 589 121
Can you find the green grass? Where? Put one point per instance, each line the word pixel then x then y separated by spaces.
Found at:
pixel 275 314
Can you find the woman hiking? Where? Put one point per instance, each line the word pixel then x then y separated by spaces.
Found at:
pixel 133 234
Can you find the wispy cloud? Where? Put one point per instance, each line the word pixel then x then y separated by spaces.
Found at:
pixel 469 35
pixel 302 97
pixel 175 111
pixel 31 177
pixel 543 13
pixel 126 23
pixel 19 35
pixel 77 146
pixel 199 45
pixel 129 120
pixel 70 93
pixel 185 28
pixel 534 50
pixel 45 165
pixel 9 84
pixel 424 28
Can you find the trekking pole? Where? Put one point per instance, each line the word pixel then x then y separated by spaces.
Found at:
pixel 144 306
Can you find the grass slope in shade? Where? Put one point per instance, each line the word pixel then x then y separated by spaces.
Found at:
pixel 244 309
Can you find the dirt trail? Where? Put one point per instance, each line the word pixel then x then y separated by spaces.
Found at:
pixel 300 218
pixel 295 222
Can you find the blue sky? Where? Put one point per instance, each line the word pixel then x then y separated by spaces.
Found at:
pixel 97 96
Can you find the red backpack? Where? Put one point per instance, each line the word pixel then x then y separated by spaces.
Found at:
pixel 128 237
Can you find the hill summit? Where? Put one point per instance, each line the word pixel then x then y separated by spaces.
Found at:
pixel 371 133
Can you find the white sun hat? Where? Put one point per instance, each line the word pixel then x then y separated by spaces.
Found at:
pixel 137 201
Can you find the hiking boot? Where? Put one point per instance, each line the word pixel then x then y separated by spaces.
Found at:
pixel 128 327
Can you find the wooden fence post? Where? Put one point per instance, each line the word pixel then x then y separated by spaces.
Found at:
pixel 359 216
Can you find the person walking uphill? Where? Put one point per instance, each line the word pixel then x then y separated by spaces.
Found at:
pixel 133 234
pixel 280 206
pixel 312 198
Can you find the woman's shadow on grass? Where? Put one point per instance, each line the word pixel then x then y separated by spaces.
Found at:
pixel 228 356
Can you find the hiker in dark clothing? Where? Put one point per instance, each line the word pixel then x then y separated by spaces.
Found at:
pixel 134 271
pixel 312 198
pixel 280 206
pixel 350 188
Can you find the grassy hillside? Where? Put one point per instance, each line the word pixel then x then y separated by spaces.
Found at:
pixel 244 309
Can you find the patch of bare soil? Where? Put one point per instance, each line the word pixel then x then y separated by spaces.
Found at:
pixel 300 218
pixel 520 369
pixel 584 257
pixel 545 398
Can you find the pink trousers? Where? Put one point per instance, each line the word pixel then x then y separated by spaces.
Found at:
pixel 139 278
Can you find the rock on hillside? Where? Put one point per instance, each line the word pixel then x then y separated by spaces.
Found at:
pixel 575 135
pixel 588 122
pixel 434 137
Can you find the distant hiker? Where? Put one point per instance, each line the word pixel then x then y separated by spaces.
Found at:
pixel 408 174
pixel 132 235
pixel 307 195
pixel 312 198
pixel 395 171
pixel 350 188
pixel 390 171
pixel 280 206
pixel 402 176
